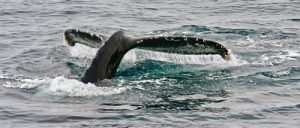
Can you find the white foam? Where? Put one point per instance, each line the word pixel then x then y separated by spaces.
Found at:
pixel 293 53
pixel 82 51
pixel 278 58
pixel 4 76
pixel 71 87
pixel 156 81
pixel 25 83
pixel 64 87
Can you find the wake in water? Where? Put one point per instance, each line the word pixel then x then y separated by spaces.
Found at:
pixel 60 86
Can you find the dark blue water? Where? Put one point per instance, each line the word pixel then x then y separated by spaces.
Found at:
pixel 259 87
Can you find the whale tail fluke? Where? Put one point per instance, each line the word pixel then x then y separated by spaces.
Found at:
pixel 182 45
pixel 73 36
pixel 166 44
pixel 110 53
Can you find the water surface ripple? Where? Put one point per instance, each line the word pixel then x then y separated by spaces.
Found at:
pixel 260 87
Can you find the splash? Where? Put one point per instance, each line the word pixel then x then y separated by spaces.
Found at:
pixel 217 60
pixel 82 51
pixel 25 83
pixel 61 86
pixel 71 87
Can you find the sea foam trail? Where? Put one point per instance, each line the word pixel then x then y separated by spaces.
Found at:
pixel 62 86
pixel 71 87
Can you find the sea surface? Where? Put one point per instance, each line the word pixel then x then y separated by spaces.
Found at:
pixel 258 88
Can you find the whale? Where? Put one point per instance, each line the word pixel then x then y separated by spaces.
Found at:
pixel 112 49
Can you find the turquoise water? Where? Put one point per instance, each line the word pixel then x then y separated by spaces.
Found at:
pixel 259 87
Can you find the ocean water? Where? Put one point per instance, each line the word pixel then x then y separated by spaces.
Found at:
pixel 259 87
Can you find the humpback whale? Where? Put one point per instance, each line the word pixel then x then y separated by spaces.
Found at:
pixel 112 49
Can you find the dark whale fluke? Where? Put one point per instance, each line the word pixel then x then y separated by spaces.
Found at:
pixel 73 36
pixel 111 52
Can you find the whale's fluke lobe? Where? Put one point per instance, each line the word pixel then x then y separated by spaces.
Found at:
pixel 182 45
pixel 73 36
